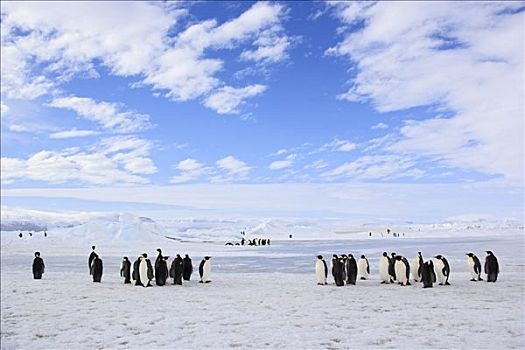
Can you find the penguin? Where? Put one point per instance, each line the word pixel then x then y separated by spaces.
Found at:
pixel 135 272
pixel 363 268
pixel 400 270
pixel 384 266
pixel 338 272
pixel 415 266
pixel 38 266
pixel 345 258
pixel 205 270
pixel 491 267
pixel 405 261
pixel 125 270
pixel 187 268
pixel 474 267
pixel 145 271
pixel 176 270
pixel 428 276
pixel 391 269
pixel 442 270
pixel 161 272
pixel 321 270
pixel 351 270
pixel 159 264
pixel 96 269
pixel 333 264
pixel 91 257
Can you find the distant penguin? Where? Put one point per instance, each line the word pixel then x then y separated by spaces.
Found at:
pixel 176 270
pixel 442 270
pixel 333 264
pixel 363 268
pixel 187 268
pixel 400 268
pixel 321 270
pixel 344 257
pixel 145 270
pixel 338 272
pixel 384 265
pixel 205 270
pixel 96 269
pixel 91 257
pixel 135 272
pixel 428 276
pixel 391 269
pixel 125 270
pixel 351 270
pixel 415 267
pixel 474 267
pixel 491 267
pixel 38 266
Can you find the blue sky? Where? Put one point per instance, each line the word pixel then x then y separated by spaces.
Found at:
pixel 223 94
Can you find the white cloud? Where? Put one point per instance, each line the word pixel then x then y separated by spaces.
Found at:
pixel 234 168
pixel 110 115
pixel 66 134
pixel 271 46
pixel 318 164
pixel 283 164
pixel 118 160
pixel 449 56
pixel 3 109
pixel 336 146
pixel 227 99
pixel 379 126
pixel 190 169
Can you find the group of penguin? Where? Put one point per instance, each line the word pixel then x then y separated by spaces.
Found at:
pixel 396 268
pixel 141 272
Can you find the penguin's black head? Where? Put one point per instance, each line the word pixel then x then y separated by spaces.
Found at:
pixel 398 257
pixel 438 257
pixel 489 252
pixel 37 253
pixel 207 257
pixel 178 255
pixel 393 254
pixel 470 254
pixel 126 258
pixel 385 254
pixel 344 256
pixel 145 255
pixel 158 249
pixel 93 247
pixel 319 257
pixel 334 256
pixel 166 257
pixel 186 256
pixel 419 253
pixel 363 257
pixel 350 256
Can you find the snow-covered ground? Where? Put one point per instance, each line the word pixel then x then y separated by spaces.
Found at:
pixel 261 297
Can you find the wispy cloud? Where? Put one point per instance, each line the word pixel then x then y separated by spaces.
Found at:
pixel 66 134
pixel 283 164
pixel 190 169
pixel 227 100
pixel 379 126
pixel 233 168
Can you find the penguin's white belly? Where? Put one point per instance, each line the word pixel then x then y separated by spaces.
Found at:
pixel 400 269
pixel 470 263
pixel 361 269
pixel 206 271
pixel 131 269
pixel 383 270
pixel 414 266
pixel 319 272
pixel 439 271
pixel 143 272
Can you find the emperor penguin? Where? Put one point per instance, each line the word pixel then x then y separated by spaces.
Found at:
pixel 145 270
pixel 363 268
pixel 400 268
pixel 474 267
pixel 125 270
pixel 91 257
pixel 491 267
pixel 442 270
pixel 415 266
pixel 391 269
pixel 338 272
pixel 38 266
pixel 428 276
pixel 176 270
pixel 351 270
pixel 135 274
pixel 344 257
pixel 96 269
pixel 205 270
pixel 161 271
pixel 333 263
pixel 187 268
pixel 384 264
pixel 321 270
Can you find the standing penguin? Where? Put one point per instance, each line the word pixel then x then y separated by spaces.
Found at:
pixel 474 267
pixel 351 270
pixel 205 270
pixel 187 268
pixel 384 265
pixel 428 276
pixel 176 270
pixel 125 270
pixel 321 270
pixel 91 257
pixel 158 266
pixel 38 266
pixel 443 270
pixel 344 257
pixel 96 269
pixel 401 270
pixel 333 264
pixel 391 268
pixel 491 267
pixel 416 265
pixel 161 271
pixel 363 268
pixel 338 272
pixel 145 270
pixel 135 272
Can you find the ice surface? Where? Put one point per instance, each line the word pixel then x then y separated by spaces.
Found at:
pixel 260 297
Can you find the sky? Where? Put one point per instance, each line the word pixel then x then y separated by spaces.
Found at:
pixel 391 109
